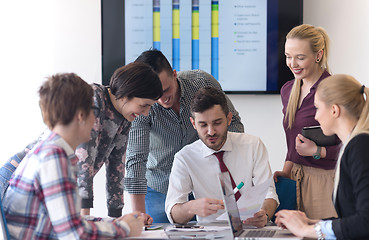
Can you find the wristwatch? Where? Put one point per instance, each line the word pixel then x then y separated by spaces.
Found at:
pixel 316 155
pixel 318 231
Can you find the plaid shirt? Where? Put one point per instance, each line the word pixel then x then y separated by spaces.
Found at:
pixel 107 145
pixel 42 200
pixel 153 140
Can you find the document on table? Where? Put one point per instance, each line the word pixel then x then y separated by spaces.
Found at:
pixel 251 200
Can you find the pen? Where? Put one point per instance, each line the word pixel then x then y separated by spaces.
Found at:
pixel 239 186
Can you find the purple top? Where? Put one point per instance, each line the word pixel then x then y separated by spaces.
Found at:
pixel 305 117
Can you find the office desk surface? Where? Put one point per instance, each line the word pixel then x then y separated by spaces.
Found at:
pixel 223 234
pixel 160 233
pixel 152 234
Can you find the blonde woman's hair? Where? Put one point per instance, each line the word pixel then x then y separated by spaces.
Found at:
pixel 319 40
pixel 346 91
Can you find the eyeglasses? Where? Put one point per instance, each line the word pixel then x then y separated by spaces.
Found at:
pixel 96 110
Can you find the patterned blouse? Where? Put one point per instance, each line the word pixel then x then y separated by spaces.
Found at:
pixel 107 145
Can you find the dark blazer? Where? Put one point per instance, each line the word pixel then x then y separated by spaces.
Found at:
pixel 352 202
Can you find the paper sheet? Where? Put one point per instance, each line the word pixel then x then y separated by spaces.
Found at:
pixel 251 200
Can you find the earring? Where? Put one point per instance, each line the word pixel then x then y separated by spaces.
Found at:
pixel 317 60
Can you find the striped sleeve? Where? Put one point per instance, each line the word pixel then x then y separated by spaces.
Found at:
pixel 137 154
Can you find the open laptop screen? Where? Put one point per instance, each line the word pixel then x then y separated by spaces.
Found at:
pixel 234 219
pixel 230 202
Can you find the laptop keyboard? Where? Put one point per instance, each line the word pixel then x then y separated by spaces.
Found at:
pixel 260 233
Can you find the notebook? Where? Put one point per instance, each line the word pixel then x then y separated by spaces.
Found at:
pixel 235 222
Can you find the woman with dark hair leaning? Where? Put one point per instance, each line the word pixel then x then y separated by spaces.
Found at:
pixel 42 200
pixel 311 166
pixel 342 109
pixel 132 91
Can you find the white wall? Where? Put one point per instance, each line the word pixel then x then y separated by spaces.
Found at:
pixel 41 37
pixel 347 24
pixel 26 57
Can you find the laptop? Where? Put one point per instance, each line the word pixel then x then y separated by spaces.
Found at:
pixel 235 223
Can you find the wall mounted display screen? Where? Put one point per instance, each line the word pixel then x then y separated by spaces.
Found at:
pixel 240 42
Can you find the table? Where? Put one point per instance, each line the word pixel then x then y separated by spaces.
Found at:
pixel 223 232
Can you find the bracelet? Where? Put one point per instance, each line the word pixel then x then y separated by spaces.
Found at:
pixel 318 231
pixel 268 218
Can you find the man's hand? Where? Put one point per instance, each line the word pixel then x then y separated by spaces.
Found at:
pixel 204 207
pixel 147 218
pixel 135 222
pixel 260 219
pixel 138 205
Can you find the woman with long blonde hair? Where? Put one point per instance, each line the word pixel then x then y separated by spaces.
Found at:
pixel 311 166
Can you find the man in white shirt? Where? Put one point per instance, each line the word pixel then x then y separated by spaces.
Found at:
pixel 195 167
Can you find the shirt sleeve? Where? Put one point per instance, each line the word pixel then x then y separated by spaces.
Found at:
pixel 137 153
pixel 180 185
pixel 7 170
pixel 58 191
pixel 327 229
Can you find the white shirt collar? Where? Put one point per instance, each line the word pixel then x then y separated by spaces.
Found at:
pixel 227 147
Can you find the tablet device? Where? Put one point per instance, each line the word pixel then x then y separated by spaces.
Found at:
pixel 316 135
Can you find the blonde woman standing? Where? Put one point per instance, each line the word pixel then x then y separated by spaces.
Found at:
pixel 311 166
pixel 342 109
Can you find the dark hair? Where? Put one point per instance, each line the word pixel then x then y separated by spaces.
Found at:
pixel 61 95
pixel 205 98
pixel 156 60
pixel 136 80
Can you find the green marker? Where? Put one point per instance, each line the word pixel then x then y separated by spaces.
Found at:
pixel 239 186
